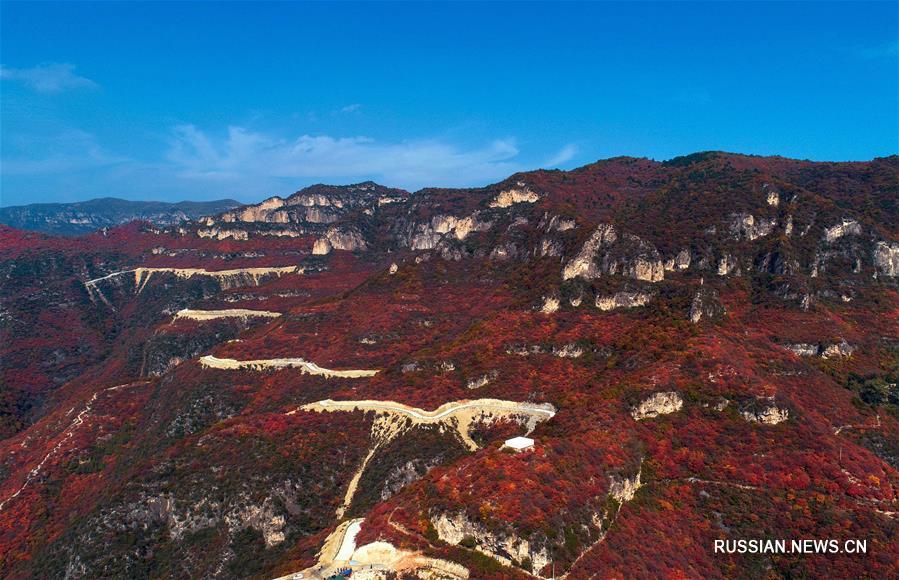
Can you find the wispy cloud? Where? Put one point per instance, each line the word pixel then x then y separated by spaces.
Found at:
pixel 246 155
pixel 564 155
pixel 249 163
pixel 352 108
pixel 48 77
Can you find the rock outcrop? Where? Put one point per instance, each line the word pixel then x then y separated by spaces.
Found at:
pixel 727 265
pixel 803 348
pixel 832 350
pixel 706 304
pixel 506 548
pixel 219 233
pixel 745 226
pixel 607 252
pixel 584 265
pixel 427 235
pixel 519 194
pixel 623 489
pixel 886 259
pixel 550 305
pixel 765 412
pixel 847 227
pixel 840 349
pixel 679 262
pixel 338 238
pixel 481 381
pixel 658 404
pixel 623 300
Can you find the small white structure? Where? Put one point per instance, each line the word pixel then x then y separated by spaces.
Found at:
pixel 519 444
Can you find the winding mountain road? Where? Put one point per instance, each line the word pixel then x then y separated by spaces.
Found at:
pixel 307 367
pixel 443 411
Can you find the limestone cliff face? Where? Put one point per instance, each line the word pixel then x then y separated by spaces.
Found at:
pixel 519 194
pixel 886 259
pixel 706 305
pixel 623 489
pixel 727 265
pixel 679 262
pixel 319 215
pixel 802 349
pixel 748 227
pixel 841 349
pixel 608 252
pixel 267 211
pixel 220 233
pixel 825 350
pixel 658 404
pixel 550 305
pixel 848 227
pixel 428 235
pixel 337 238
pixel 766 412
pixel 504 547
pixel 548 247
pixel 583 265
pixel 623 300
pixel 557 223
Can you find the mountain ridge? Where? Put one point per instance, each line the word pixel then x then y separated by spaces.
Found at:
pixel 717 341
pixel 82 217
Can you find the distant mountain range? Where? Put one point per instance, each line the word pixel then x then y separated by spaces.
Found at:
pixel 73 219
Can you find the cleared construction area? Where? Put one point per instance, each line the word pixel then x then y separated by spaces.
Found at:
pixel 463 413
pixel 371 560
pixel 227 279
pixel 457 417
pixel 305 366
pixel 201 315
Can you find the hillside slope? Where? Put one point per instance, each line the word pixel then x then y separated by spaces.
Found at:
pixel 702 349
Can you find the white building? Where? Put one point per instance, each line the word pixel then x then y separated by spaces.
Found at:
pixel 519 444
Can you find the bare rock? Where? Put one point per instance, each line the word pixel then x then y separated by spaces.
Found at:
pixel 886 259
pixel 658 404
pixel 509 197
pixel 845 228
pixel 706 304
pixel 622 300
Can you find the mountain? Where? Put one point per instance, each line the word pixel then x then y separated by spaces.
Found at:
pixel 702 350
pixel 74 219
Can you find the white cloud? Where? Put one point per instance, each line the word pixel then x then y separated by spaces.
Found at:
pixel 564 155
pixel 249 164
pixel 353 108
pixel 48 77
pixel 245 156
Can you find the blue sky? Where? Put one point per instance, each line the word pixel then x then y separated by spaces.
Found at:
pixel 202 101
